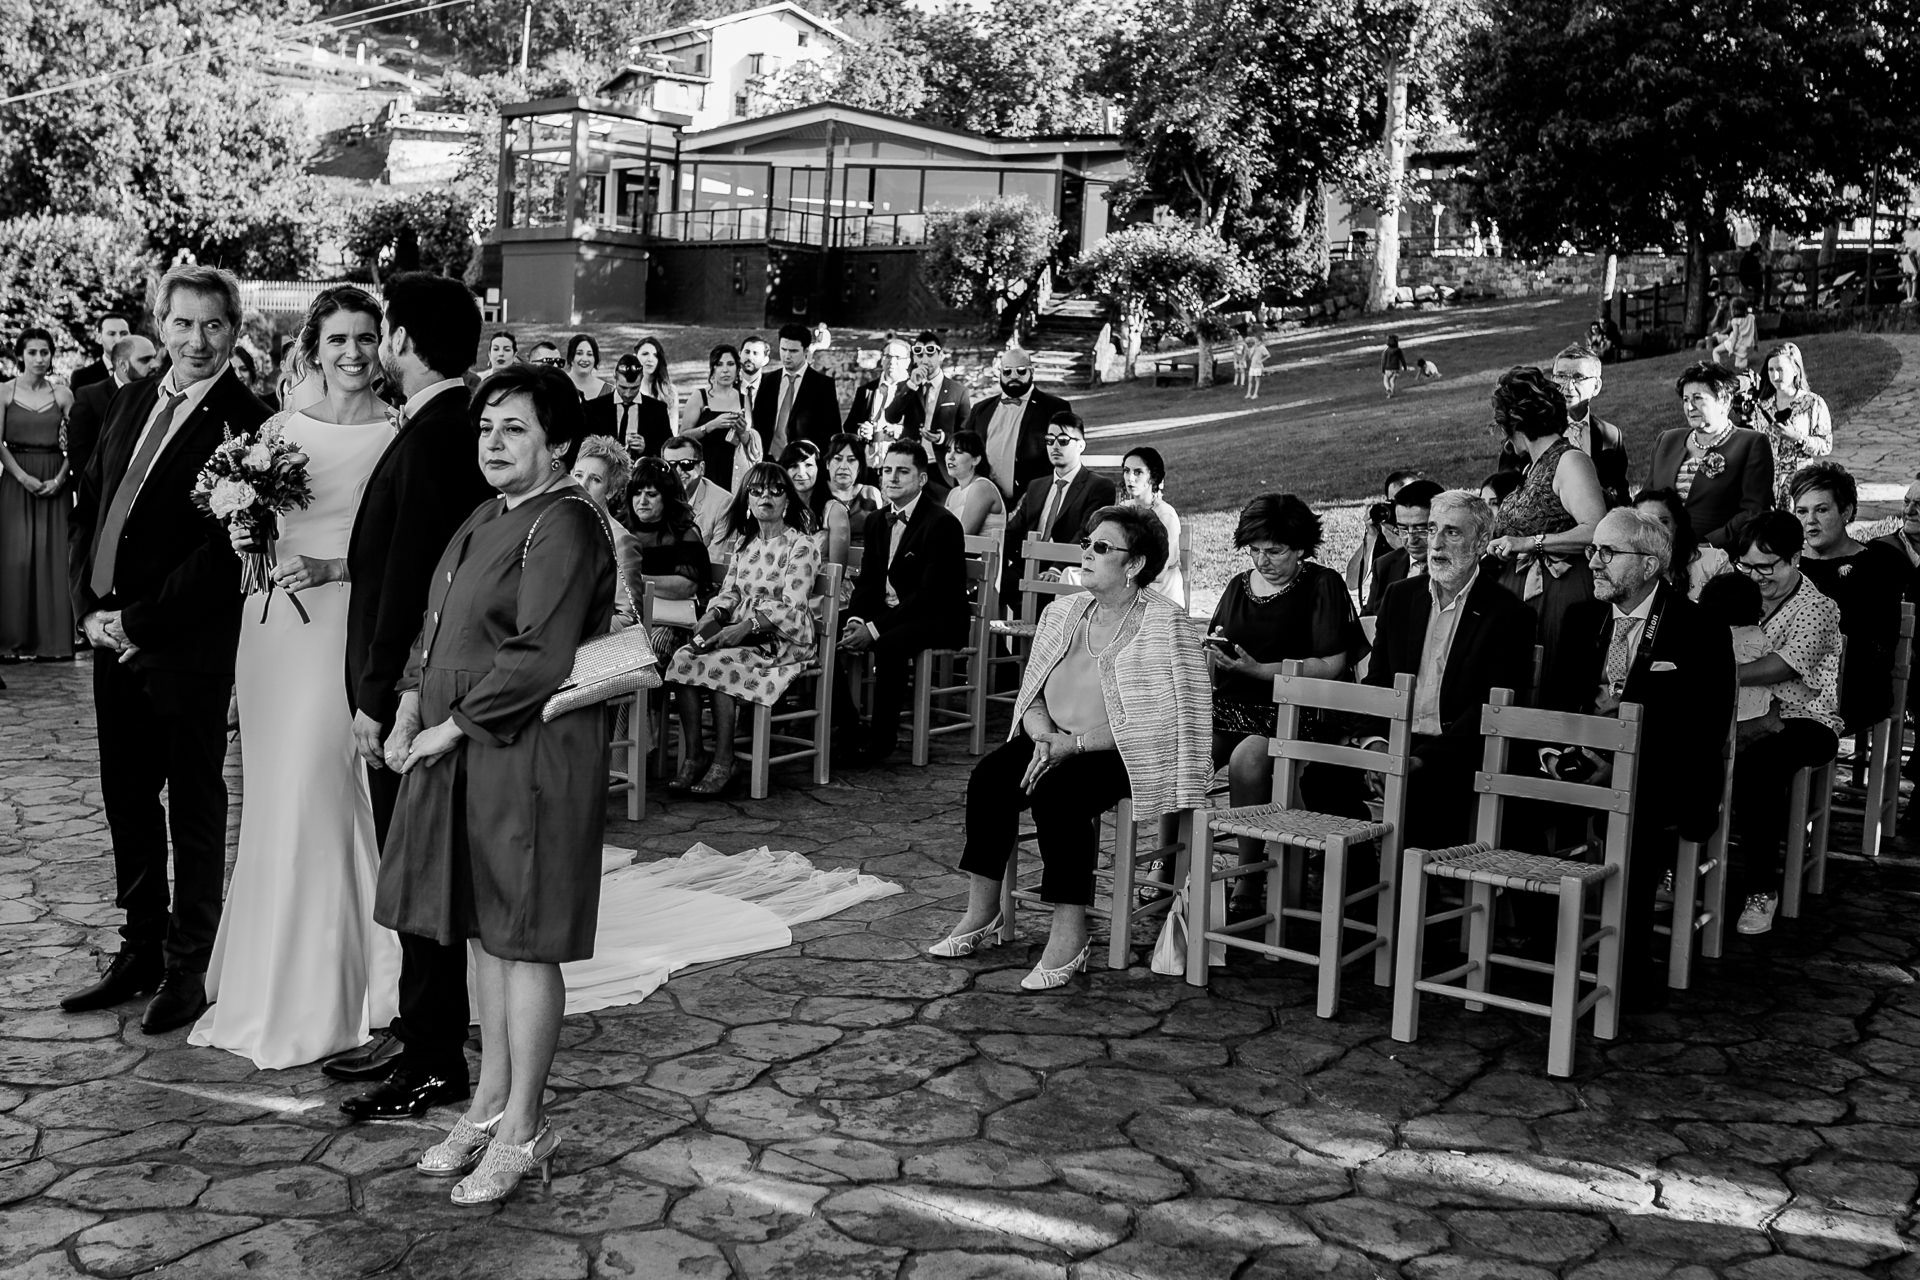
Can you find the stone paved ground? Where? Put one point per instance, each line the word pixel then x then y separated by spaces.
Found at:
pixel 848 1109
pixel 1880 446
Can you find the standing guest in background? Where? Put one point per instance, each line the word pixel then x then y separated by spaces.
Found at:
pixel 496 844
pixel 1411 518
pixel 975 499
pixel 754 355
pixel 114 326
pixel 544 355
pixel 1577 372
pixel 1392 364
pixel 1500 486
pixel 1379 537
pixel 132 358
pixel 944 402
pixel 639 422
pixel 1691 562
pixel 1014 425
pixel 256 379
pixel 36 608
pixel 1056 506
pixel 718 419
pixel 1865 579
pixel 503 351
pixel 882 410
pixel 1143 484
pixel 155 582
pixel 795 401
pixel 1254 353
pixel 1724 473
pixel 1796 422
pixel 583 367
pixel 709 503
pixel 656 380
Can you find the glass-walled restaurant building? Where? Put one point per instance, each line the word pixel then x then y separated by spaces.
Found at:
pixel 614 212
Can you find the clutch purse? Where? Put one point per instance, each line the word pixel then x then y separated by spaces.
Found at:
pixel 605 666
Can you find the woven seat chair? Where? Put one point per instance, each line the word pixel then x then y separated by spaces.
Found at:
pixel 779 727
pixel 1810 805
pixel 1167 844
pixel 1292 834
pixel 937 686
pixel 1483 867
pixel 1699 906
pixel 1874 791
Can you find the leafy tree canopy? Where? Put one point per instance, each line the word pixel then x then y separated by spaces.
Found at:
pixel 59 272
pixel 987 257
pixel 1185 269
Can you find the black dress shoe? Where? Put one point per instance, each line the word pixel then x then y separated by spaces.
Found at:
pixel 132 973
pixel 182 998
pixel 375 1062
pixel 405 1094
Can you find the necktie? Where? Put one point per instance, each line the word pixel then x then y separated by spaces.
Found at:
pixel 626 429
pixel 788 383
pixel 1619 653
pixel 881 399
pixel 1052 509
pixel 107 548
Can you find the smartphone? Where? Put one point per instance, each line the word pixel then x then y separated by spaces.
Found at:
pixel 1221 643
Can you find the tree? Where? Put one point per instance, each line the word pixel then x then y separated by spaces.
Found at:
pixel 1016 67
pixel 987 257
pixel 1639 122
pixel 60 272
pixel 201 153
pixel 426 231
pixel 1186 269
pixel 885 71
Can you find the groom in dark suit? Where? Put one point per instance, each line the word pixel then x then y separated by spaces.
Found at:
pixel 423 487
pixel 156 586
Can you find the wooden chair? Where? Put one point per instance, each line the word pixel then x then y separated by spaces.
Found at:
pixel 1122 881
pixel 931 720
pixel 1699 907
pixel 761 738
pixel 1484 867
pixel 1876 798
pixel 1037 556
pixel 1292 830
pixel 631 750
pixel 1810 824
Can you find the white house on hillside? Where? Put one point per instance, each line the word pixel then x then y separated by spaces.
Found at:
pixel 714 70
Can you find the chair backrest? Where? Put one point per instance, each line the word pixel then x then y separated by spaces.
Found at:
pixel 1293 692
pixel 1504 722
pixel 983 577
pixel 1186 567
pixel 856 556
pixel 1040 555
pixel 826 619
pixel 1902 664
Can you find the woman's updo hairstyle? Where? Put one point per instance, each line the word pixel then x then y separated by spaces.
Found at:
pixel 1527 402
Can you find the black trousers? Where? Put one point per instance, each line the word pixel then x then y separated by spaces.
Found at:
pixel 433 1019
pixel 1762 774
pixel 892 677
pixel 164 729
pixel 1067 805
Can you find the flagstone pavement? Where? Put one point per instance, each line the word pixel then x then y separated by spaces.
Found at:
pixel 848 1109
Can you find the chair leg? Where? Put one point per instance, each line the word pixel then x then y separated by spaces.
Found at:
pixel 1566 978
pixel 922 707
pixel 1126 839
pixel 1407 956
pixel 1823 783
pixel 1796 859
pixel 1713 934
pixel 639 735
pixel 1608 953
pixel 1383 904
pixel 1333 913
pixel 1008 903
pixel 1479 899
pixel 1873 805
pixel 1199 891
pixel 979 669
pixel 762 764
pixel 1686 890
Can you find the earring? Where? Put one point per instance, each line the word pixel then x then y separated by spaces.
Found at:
pixel 556 464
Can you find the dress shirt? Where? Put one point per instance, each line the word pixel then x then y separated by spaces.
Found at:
pixel 1003 441
pixel 1442 623
pixel 748 390
pixel 711 505
pixel 625 416
pixel 896 529
pixel 930 398
pixel 169 387
pixel 1057 495
pixel 418 400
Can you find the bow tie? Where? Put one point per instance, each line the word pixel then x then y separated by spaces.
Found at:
pixel 896 516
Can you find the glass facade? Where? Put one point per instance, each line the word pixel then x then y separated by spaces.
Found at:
pixel 563 167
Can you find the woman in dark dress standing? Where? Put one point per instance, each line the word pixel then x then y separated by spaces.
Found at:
pixel 36 612
pixel 716 415
pixel 497 837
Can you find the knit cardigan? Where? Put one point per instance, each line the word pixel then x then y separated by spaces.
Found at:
pixel 1159 701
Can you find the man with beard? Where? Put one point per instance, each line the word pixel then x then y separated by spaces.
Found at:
pixel 1014 425
pixel 754 354
pixel 1576 371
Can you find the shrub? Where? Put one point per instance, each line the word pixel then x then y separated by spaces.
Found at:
pixel 987 257
pixel 427 231
pixel 61 271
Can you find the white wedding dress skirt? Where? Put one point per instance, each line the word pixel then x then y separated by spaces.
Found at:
pixel 299 969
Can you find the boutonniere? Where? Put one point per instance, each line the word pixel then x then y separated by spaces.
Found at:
pixel 1712 463
pixel 1845 569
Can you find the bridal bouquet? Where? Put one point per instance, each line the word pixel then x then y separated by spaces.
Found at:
pixel 253 479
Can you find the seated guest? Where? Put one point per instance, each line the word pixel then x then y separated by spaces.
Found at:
pixel 1283 607
pixel 545 355
pixel 1143 483
pixel 1500 486
pixel 671 558
pixel 1077 747
pixel 857 501
pixel 1055 506
pixel 1461 635
pixel 1377 539
pixel 601 466
pixel 975 499
pixel 1722 472
pixel 1802 675
pixel 1905 540
pixel 638 421
pixel 1864 579
pixel 1692 562
pixel 1641 640
pixel 831 526
pixel 1411 515
pixel 757 634
pixel 712 506
pixel 1576 371
pixel 1543 530
pixel 911 594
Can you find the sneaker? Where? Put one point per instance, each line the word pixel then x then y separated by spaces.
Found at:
pixel 1757 917
pixel 1665 892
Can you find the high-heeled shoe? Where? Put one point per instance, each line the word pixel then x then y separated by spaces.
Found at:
pixel 690 771
pixel 717 780
pixel 456 1154
pixel 965 944
pixel 505 1163
pixel 1045 979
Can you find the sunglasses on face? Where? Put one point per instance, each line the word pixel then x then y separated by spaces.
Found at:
pixel 548 362
pixel 1063 441
pixel 765 491
pixel 686 466
pixel 1101 547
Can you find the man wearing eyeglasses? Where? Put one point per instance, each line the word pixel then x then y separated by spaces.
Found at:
pixel 1411 516
pixel 709 501
pixel 944 402
pixel 1055 506
pixel 1576 371
pixel 544 354
pixel 1639 640
pixel 1014 425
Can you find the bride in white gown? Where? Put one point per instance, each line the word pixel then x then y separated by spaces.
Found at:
pixel 299 970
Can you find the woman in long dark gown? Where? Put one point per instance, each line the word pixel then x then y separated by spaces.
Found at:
pixel 498 833
pixel 36 613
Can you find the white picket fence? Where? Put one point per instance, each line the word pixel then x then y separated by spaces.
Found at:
pixel 291 297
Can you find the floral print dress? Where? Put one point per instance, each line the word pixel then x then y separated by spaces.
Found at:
pixel 1809 415
pixel 775 579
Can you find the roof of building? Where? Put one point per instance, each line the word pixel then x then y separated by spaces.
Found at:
pixel 859 124
pixel 728 19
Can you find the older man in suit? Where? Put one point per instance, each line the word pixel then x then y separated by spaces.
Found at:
pixel 1460 635
pixel 1014 425
pixel 156 586
pixel 132 358
pixel 912 590
pixel 424 486
pixel 1577 372
pixel 1638 640
pixel 1056 505
pixel 795 401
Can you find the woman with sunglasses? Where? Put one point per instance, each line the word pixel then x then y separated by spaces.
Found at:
pixel 1113 703
pixel 757 634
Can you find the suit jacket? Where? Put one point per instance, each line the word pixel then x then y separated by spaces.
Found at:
pixel 424 486
pixel 1086 495
pixel 929 575
pixel 1609 459
pixel 652 424
pixel 87 374
pixel 1387 570
pixel 1719 507
pixel 1030 449
pixel 1683 682
pixel 952 403
pixel 1492 649
pixel 177 579
pixel 89 413
pixel 1911 593
pixel 816 408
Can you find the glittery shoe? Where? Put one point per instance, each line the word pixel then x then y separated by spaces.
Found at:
pixel 456 1154
pixel 504 1164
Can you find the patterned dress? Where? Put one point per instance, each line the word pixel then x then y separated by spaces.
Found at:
pixel 1550 583
pixel 1809 415
pixel 773 578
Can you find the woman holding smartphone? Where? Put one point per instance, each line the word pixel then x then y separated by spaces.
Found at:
pixel 716 416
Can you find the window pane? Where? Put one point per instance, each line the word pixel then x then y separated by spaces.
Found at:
pixel 957 188
pixel 896 191
pixel 1037 187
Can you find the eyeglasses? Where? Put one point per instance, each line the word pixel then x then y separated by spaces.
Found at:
pixel 1063 441
pixel 1910 508
pixel 1758 570
pixel 687 466
pixel 1100 546
pixel 765 491
pixel 925 351
pixel 548 362
pixel 1267 553
pixel 1570 379
pixel 1413 530
pixel 1602 555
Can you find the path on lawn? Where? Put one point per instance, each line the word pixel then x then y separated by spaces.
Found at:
pixel 1881 445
